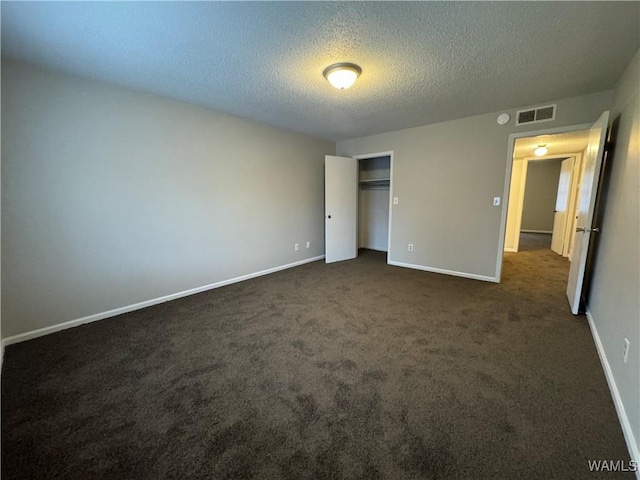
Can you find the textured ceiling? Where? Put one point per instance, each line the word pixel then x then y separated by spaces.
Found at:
pixel 571 142
pixel 423 62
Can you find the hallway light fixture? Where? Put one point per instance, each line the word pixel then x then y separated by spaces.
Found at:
pixel 342 75
pixel 541 150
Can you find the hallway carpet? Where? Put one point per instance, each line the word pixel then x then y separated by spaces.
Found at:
pixel 350 370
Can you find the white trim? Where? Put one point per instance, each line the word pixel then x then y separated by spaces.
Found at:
pixel 519 205
pixel 507 181
pixel 559 156
pixel 473 276
pixel 632 444
pixel 505 204
pixel 536 231
pixel 510 250
pixel 148 303
pixel 373 155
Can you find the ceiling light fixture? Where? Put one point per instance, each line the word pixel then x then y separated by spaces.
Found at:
pixel 541 150
pixel 342 75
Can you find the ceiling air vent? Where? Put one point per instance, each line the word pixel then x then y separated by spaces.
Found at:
pixel 536 115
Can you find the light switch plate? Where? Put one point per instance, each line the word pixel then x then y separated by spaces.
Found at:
pixel 496 201
pixel 395 200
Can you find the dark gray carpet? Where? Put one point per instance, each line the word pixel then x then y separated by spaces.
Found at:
pixel 534 241
pixel 350 370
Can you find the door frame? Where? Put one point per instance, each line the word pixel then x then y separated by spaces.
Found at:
pixel 376 155
pixel 507 180
pixel 523 182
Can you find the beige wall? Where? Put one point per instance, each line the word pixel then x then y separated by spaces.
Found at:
pixel 446 175
pixel 614 303
pixel 112 197
pixel 373 218
pixel 541 190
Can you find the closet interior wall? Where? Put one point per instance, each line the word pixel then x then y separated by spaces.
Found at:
pixel 373 203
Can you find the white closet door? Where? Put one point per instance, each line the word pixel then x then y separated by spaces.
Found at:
pixel 341 208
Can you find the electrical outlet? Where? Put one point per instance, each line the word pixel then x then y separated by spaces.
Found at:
pixel 496 201
pixel 625 351
pixel 296 247
pixel 411 247
pixel 308 243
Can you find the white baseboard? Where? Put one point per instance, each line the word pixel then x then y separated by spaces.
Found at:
pixel 632 443
pixel 148 303
pixel 445 272
pixel 536 231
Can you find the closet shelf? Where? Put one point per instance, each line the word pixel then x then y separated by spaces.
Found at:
pixel 375 182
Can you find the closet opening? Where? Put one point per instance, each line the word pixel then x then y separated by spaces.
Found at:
pixel 374 206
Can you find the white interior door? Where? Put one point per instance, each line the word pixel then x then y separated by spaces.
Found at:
pixel 586 206
pixel 341 208
pixel 562 206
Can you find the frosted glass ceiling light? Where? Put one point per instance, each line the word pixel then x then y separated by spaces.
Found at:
pixel 541 150
pixel 342 75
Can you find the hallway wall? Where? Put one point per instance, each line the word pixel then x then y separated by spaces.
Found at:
pixel 541 190
pixel 614 303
